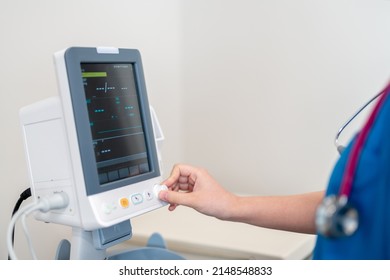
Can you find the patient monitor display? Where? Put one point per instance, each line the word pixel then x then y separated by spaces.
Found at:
pixel 96 141
pixel 117 126
pixel 115 120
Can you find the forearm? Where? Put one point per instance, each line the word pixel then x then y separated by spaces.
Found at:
pixel 291 213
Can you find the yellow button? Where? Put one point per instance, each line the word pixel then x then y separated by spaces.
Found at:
pixel 124 202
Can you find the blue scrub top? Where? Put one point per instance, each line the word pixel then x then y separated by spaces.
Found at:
pixel 370 196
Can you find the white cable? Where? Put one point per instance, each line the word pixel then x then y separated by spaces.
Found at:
pixel 11 227
pixel 56 201
pixel 26 232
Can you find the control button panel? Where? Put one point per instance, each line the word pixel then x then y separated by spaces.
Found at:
pixel 126 203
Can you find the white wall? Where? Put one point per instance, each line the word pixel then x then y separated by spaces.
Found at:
pixel 31 31
pixel 252 90
pixel 268 83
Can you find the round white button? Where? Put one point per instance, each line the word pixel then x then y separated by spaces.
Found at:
pixel 158 188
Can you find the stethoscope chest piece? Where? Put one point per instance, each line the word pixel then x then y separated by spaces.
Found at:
pixel 335 217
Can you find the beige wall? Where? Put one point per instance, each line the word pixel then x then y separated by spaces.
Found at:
pixel 252 90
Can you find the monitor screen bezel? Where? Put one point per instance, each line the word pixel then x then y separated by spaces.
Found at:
pixel 74 57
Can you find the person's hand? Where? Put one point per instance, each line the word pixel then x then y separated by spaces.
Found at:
pixel 195 188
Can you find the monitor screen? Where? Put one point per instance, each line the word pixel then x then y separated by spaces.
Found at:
pixel 112 118
pixel 115 120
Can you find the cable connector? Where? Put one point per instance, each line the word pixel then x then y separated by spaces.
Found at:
pixel 58 200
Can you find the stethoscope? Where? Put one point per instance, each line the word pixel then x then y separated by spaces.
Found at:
pixel 335 216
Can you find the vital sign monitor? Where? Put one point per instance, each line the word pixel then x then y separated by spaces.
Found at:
pixel 98 141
